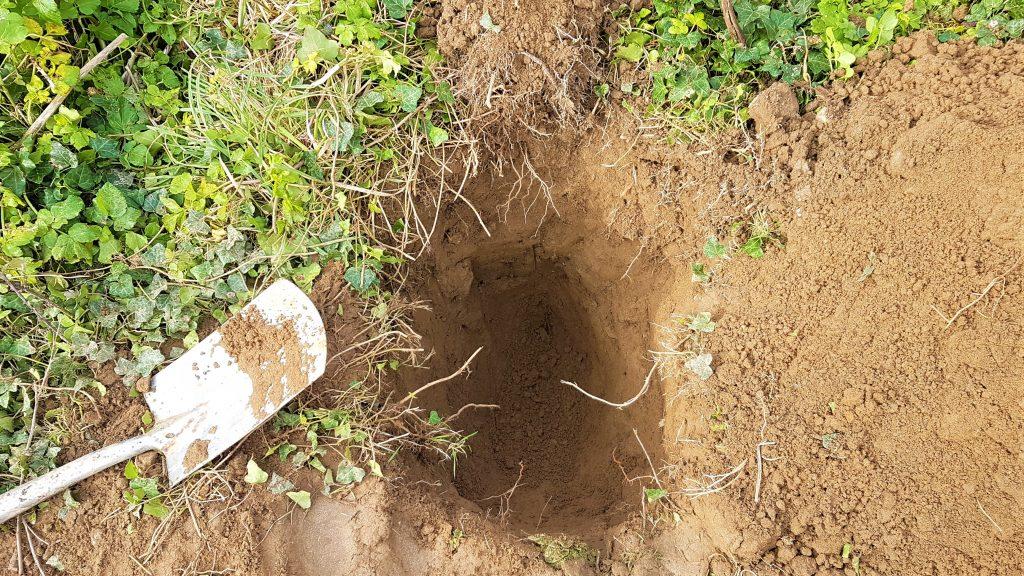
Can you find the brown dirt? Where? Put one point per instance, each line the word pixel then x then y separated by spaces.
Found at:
pixel 271 354
pixel 197 452
pixel 866 381
pixel 530 78
pixel 885 341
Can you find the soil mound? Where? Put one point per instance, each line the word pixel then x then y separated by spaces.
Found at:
pixel 882 350
pixel 524 68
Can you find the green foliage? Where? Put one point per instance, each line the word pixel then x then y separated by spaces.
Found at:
pixel 143 494
pixel 687 66
pixel 254 474
pixel 654 494
pixel 301 497
pixel 171 182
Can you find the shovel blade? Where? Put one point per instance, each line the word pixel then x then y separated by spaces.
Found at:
pixel 219 391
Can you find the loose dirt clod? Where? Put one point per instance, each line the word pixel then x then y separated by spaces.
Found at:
pixel 774 106
pixel 271 354
pixel 198 451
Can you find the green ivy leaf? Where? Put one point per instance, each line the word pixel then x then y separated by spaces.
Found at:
pixel 12 29
pixel 62 158
pixel 68 209
pixel 702 322
pixel 301 498
pixel 82 233
pixel 437 135
pixel 654 494
pixel 110 201
pixel 350 475
pixel 630 52
pixel 87 7
pixel 753 247
pixel 47 9
pixel 315 44
pixel 714 249
pixel 361 278
pixel 155 508
pixel 408 96
pixel 254 474
pixel 131 471
pixel 262 38
pixel 123 118
pixel 397 9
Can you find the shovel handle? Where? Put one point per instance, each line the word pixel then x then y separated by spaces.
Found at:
pixel 27 495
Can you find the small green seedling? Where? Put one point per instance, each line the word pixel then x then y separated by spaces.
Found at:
pixel 455 540
pixel 143 494
pixel 654 494
pixel 718 420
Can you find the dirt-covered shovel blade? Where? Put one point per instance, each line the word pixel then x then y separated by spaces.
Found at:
pixel 213 395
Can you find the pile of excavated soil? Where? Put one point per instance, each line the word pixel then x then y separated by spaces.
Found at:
pixel 880 353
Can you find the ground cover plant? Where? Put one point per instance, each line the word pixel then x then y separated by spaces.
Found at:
pixel 208 152
pixel 681 64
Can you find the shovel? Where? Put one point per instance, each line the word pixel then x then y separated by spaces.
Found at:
pixel 213 395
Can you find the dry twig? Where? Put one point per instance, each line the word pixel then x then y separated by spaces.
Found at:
pixel 54 104
pixel 729 13
pixel 464 368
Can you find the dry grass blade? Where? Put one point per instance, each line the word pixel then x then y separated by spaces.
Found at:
pixel 54 104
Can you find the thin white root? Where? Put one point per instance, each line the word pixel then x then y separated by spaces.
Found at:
pixel 760 469
pixel 990 519
pixel 468 406
pixel 981 295
pixel 715 482
pixel 618 405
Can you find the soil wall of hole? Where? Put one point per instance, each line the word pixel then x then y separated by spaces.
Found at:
pixel 548 298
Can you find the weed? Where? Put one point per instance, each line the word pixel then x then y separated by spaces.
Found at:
pixel 749 236
pixel 455 540
pixel 719 422
pixel 143 494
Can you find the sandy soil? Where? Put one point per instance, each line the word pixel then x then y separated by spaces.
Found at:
pixel 865 411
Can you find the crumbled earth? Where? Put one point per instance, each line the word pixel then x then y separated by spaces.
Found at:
pixel 522 68
pixel 882 347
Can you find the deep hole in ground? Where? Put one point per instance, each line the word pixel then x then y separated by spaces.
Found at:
pixel 546 303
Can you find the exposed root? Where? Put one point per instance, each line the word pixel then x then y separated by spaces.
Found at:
pixel 505 498
pixel 618 405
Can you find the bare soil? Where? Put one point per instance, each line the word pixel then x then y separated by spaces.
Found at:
pixel 866 393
